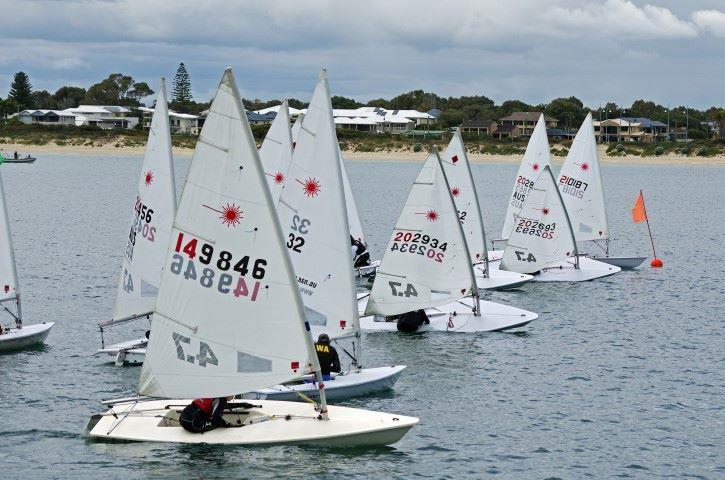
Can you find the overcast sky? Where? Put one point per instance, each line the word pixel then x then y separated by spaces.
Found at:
pixel 670 51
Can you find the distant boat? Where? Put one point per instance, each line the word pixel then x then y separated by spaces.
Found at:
pixel 427 266
pixel 17 159
pixel 580 183
pixel 145 250
pixel 20 336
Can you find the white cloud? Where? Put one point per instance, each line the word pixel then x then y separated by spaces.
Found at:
pixel 711 20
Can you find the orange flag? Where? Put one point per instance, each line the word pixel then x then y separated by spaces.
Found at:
pixel 639 214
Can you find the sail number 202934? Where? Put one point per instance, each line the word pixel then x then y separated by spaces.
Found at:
pixel 212 269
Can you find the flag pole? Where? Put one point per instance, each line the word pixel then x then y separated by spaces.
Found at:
pixel 656 262
pixel 646 217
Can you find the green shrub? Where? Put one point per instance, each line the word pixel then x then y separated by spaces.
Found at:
pixel 660 150
pixel 417 147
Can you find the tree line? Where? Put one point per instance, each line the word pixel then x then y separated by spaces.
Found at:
pixel 120 89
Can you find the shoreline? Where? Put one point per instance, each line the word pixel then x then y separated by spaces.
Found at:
pixel 396 156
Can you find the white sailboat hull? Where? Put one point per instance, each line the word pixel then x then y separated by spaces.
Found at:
pixel 494 318
pixel 564 271
pixel 28 336
pixel 499 279
pixel 625 263
pixel 367 270
pixel 131 352
pixel 267 423
pixel 350 384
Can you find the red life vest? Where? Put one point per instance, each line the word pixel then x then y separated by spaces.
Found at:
pixel 204 404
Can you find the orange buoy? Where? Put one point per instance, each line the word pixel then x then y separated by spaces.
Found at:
pixel 656 263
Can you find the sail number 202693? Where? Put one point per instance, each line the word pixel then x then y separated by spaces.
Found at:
pixel 212 271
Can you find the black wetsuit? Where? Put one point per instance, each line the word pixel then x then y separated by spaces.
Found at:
pixel 203 414
pixel 411 321
pixel 329 360
pixel 362 256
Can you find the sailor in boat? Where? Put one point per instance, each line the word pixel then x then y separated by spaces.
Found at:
pixel 327 355
pixel 16 155
pixel 410 322
pixel 360 254
pixel 204 414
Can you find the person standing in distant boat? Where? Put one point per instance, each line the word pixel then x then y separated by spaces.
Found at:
pixel 204 414
pixel 360 254
pixel 327 356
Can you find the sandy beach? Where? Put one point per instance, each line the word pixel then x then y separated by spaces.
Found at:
pixel 398 156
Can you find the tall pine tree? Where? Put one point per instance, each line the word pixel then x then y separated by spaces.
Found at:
pixel 21 91
pixel 181 92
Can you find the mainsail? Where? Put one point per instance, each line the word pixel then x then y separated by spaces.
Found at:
pixel 228 316
pixel 314 221
pixel 276 151
pixel 151 219
pixel 463 190
pixel 580 183
pixel 8 271
pixel 541 236
pixel 536 157
pixel 426 263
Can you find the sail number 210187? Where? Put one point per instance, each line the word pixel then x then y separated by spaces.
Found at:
pixel 212 271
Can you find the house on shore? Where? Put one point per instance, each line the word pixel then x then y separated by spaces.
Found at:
pixel 183 123
pixel 526 121
pixel 103 116
pixel 478 127
pixel 46 117
pixel 630 129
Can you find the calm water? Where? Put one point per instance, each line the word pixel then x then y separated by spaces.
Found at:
pixel 621 377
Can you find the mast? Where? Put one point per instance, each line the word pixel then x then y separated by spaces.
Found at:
pixel 474 288
pixel 312 354
pixel 568 220
pixel 478 208
pixel 11 254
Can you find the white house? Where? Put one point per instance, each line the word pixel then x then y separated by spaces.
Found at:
pixel 106 117
pixel 184 123
pixel 47 117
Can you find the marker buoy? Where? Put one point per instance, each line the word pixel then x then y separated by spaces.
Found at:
pixel 656 263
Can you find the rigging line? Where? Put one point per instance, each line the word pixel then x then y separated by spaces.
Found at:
pixel 11 313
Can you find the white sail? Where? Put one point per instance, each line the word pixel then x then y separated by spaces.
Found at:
pixel 8 272
pixel 228 316
pixel 151 218
pixel 580 183
pixel 463 191
pixel 542 233
pixel 296 128
pixel 276 151
pixel 314 222
pixel 536 157
pixel 426 263
pixel 353 218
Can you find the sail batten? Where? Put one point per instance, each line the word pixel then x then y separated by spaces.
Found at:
pixel 151 219
pixel 228 317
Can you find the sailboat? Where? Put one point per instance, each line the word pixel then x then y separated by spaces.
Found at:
pixel 463 190
pixel 20 336
pixel 145 251
pixel 580 183
pixel 542 242
pixel 315 222
pixel 353 217
pixel 276 151
pixel 536 157
pixel 427 266
pixel 229 317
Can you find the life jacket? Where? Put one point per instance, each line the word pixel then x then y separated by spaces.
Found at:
pixel 411 321
pixel 204 404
